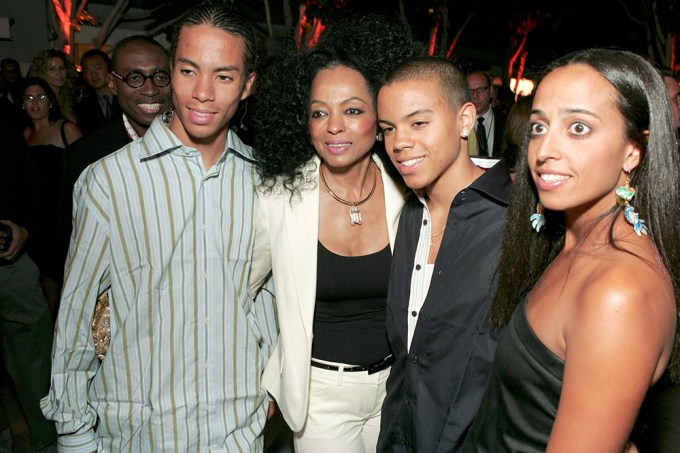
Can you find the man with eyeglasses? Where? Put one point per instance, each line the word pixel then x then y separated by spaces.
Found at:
pixel 490 124
pixel 140 81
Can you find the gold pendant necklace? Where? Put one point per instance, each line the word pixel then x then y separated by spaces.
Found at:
pixel 354 212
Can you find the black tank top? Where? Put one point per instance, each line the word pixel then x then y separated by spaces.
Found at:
pixel 520 403
pixel 349 318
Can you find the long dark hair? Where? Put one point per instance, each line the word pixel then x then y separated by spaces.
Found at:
pixel 371 45
pixel 55 112
pixel 644 104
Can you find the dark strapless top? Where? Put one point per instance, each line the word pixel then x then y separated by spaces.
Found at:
pixel 520 403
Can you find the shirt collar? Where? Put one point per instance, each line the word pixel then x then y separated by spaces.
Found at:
pixel 488 116
pixel 132 133
pixel 159 139
pixel 495 183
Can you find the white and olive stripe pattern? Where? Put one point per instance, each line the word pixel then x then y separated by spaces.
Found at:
pixel 188 345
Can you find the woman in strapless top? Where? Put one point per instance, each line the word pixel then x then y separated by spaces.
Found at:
pixel 588 269
pixel 47 135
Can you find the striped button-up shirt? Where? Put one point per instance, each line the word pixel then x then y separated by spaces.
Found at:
pixel 173 241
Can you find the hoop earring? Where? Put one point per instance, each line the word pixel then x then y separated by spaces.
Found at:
pixel 624 194
pixel 538 219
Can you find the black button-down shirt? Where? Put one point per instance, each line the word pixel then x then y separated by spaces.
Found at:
pixel 435 387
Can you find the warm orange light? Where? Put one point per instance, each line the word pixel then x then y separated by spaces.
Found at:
pixel 522 88
pixel 63 14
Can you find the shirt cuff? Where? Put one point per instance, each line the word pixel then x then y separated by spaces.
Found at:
pixel 78 443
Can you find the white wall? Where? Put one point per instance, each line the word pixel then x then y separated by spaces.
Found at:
pixel 29 32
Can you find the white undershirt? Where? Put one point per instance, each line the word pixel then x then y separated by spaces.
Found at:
pixel 422 273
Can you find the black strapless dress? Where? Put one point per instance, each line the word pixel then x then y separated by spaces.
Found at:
pixel 520 403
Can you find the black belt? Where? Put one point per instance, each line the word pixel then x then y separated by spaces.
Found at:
pixel 373 368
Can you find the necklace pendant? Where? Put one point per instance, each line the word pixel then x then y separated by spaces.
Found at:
pixel 355 216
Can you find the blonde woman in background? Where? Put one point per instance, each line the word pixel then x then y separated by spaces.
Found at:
pixel 54 67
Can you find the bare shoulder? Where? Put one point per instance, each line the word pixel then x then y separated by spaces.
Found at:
pixel 626 297
pixel 626 281
pixel 71 130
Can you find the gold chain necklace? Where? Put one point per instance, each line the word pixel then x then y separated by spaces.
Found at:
pixel 354 212
pixel 432 236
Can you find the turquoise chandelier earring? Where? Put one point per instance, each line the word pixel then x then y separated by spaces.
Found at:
pixel 538 219
pixel 624 194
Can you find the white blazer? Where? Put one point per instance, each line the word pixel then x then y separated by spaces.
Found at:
pixel 286 241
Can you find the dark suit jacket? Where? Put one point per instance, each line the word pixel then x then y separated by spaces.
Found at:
pixel 10 113
pixel 104 140
pixel 499 119
pixel 90 115
pixel 435 388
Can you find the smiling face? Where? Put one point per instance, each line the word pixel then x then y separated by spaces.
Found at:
pixel 36 103
pixel 208 81
pixel 140 105
pixel 56 73
pixel 578 152
pixel 342 119
pixel 422 133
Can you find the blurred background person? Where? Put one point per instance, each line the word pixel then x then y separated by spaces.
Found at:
pixel 25 324
pixel 671 82
pixel 47 136
pixel 516 133
pixel 10 75
pixel 98 105
pixel 54 67
pixel 490 123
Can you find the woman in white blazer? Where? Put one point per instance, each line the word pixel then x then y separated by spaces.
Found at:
pixel 325 226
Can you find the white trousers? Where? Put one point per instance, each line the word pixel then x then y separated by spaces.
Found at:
pixel 344 411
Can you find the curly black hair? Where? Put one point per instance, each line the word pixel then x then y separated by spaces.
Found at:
pixel 372 45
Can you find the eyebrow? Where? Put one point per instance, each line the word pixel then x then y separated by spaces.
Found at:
pixel 142 70
pixel 409 115
pixel 230 68
pixel 568 111
pixel 351 99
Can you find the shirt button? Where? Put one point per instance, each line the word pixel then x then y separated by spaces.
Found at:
pixel 205 275
pixel 418 267
pixel 414 313
pixel 425 222
pixel 414 359
pixel 206 321
pixel 204 227
pixel 205 366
